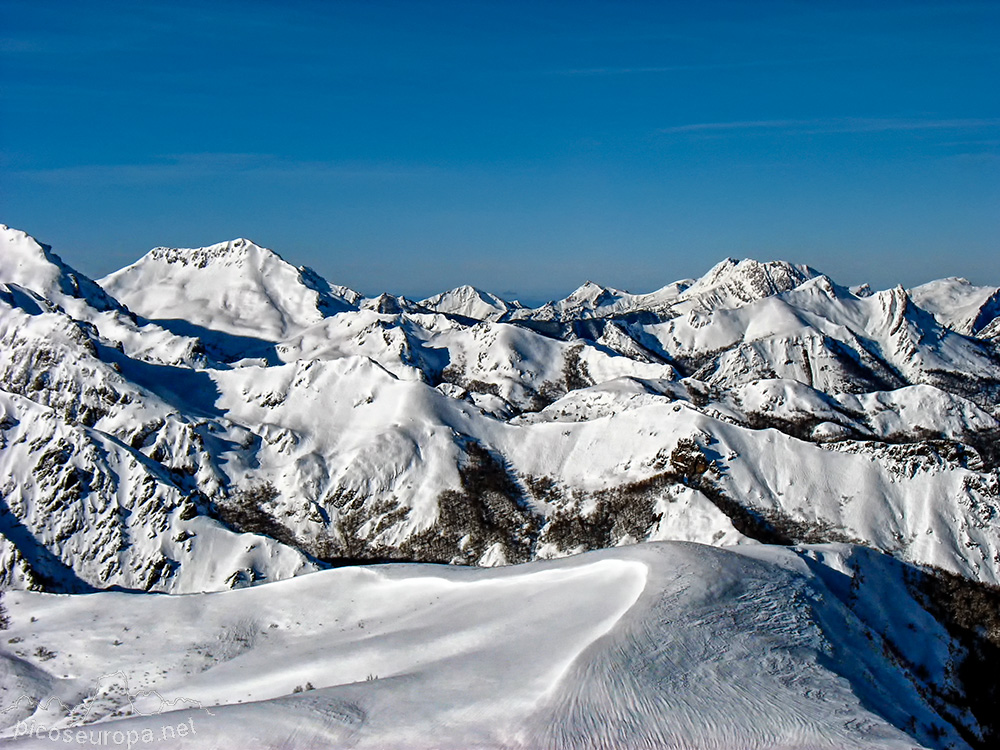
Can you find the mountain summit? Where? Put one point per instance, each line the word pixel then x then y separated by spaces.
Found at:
pixel 235 287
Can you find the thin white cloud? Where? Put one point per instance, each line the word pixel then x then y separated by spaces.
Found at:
pixel 688 67
pixel 836 125
pixel 889 124
pixel 737 125
pixel 186 167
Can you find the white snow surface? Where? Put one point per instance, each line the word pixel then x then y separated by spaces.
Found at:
pixel 731 283
pixel 234 287
pixel 657 645
pixel 218 420
pixel 958 304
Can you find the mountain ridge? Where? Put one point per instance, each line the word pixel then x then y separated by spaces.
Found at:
pixel 377 428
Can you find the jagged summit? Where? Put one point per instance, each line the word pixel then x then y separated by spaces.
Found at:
pixel 730 283
pixel 385 304
pixel 231 252
pixel 746 280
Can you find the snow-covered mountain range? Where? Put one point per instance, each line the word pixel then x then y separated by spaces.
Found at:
pixel 206 419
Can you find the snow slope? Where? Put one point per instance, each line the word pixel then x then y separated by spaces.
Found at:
pixel 29 264
pixel 662 645
pixel 958 304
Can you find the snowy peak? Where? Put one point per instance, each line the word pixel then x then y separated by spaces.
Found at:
pixel 594 295
pixel 237 288
pixel 729 284
pixel 28 263
pixel 958 304
pixel 470 302
pixel 385 304
pixel 370 432
pixel 591 300
pixel 733 282
pixel 587 290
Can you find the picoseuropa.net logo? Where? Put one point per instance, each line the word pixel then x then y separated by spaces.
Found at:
pixel 101 737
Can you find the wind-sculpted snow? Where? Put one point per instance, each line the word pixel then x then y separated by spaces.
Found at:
pixel 660 645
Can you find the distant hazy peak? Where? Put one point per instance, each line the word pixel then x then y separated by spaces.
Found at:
pixel 590 291
pixel 464 292
pixel 471 302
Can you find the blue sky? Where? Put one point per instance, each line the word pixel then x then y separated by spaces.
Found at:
pixel 520 147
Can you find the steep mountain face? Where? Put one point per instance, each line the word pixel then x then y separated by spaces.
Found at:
pixel 733 283
pixel 824 336
pixel 102 460
pixel 256 421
